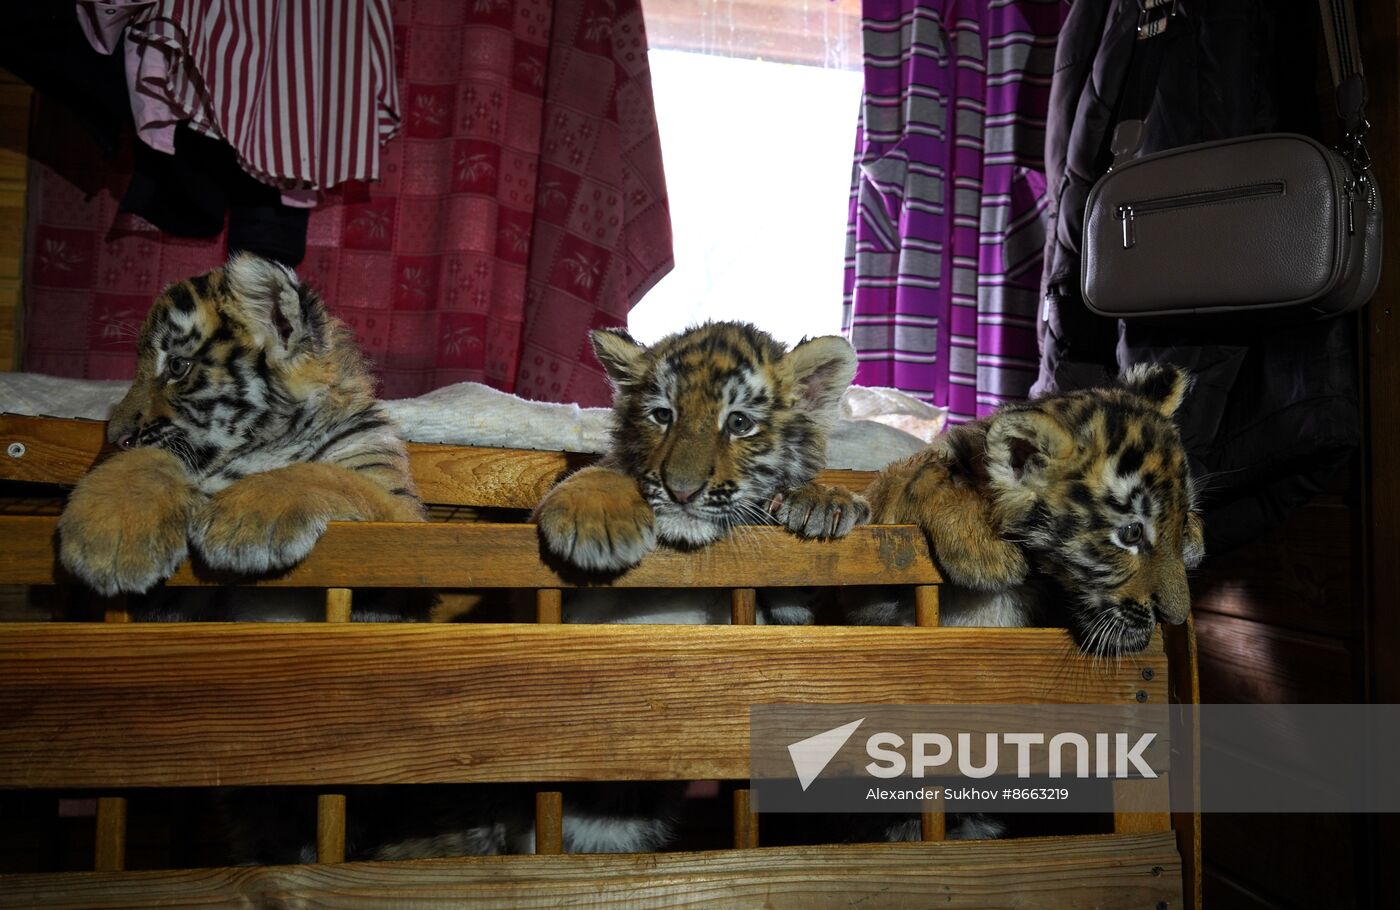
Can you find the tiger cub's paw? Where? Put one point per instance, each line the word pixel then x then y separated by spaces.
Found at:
pixel 123 528
pixel 820 511
pixel 598 521
pixel 981 562
pixel 258 525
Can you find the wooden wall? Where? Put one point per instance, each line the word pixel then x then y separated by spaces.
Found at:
pixel 1283 621
pixel 14 171
pixel 1312 612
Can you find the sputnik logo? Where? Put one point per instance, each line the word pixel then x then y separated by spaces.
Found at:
pixel 811 755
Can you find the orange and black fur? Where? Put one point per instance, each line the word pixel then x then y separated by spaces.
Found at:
pixel 251 423
pixel 714 427
pixel 1080 502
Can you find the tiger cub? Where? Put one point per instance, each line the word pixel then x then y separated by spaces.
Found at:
pixel 714 427
pixel 1075 509
pixel 252 422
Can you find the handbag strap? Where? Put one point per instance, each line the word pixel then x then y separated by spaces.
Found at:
pixel 1344 59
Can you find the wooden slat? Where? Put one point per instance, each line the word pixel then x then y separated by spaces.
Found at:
pixel 1141 805
pixel 109 848
pixel 465 555
pixel 330 807
pixel 926 606
pixel 55 451
pixel 330 828
pixel 1105 872
pixel 1184 688
pixel 933 821
pixel 549 605
pixel 549 822
pixel 743 606
pixel 109 835
pixel 201 704
pixel 62 451
pixel 745 820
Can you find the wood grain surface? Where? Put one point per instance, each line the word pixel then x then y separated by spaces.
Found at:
pixel 62 451
pixel 205 704
pixel 481 555
pixel 1092 872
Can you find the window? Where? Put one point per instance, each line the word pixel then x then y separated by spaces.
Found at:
pixel 757 106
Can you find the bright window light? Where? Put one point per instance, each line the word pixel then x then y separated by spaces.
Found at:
pixel 758 168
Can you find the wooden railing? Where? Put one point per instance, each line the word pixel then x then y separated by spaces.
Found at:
pixel 109 706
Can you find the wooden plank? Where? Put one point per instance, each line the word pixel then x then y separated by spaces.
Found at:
pixel 743 606
pixel 233 704
pixel 62 451
pixel 549 605
pixel 549 822
pixel 1244 661
pixel 1380 38
pixel 1302 575
pixel 55 451
pixel 1092 872
pixel 481 555
pixel 109 849
pixel 926 606
pixel 330 828
pixel 1141 805
pixel 1184 684
pixel 745 820
pixel 330 807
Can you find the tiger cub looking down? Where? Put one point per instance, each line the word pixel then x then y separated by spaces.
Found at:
pixel 251 423
pixel 1075 509
pixel 714 427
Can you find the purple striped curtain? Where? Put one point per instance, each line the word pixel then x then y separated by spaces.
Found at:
pixel 946 230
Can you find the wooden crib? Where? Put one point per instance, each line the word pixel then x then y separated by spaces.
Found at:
pixel 114 706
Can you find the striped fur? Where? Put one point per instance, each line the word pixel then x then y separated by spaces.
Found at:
pixel 1075 509
pixel 251 422
pixel 714 427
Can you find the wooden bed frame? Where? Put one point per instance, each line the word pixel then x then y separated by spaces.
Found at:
pixel 115 705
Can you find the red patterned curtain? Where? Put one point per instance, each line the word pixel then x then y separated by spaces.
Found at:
pixel 522 204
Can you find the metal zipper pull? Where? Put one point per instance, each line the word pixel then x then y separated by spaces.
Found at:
pixel 1351 206
pixel 1125 215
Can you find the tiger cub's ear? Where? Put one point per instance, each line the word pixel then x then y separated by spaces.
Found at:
pixel 287 317
pixel 1162 384
pixel 821 370
pixel 623 359
pixel 1022 445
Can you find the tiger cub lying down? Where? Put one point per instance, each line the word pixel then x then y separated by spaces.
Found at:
pixel 251 423
pixel 714 427
pixel 1074 510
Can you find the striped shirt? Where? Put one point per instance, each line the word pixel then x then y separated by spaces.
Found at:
pixel 303 90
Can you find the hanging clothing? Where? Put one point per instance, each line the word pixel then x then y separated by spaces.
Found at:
pixel 523 203
pixel 1274 412
pixel 191 193
pixel 946 226
pixel 303 90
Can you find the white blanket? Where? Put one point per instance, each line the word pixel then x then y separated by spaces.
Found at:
pixel 468 413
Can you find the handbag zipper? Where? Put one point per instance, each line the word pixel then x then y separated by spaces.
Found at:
pixel 1128 211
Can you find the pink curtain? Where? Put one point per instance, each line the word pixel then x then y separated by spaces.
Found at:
pixel 522 204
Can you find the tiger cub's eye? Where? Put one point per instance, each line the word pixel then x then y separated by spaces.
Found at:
pixel 1131 533
pixel 661 416
pixel 179 367
pixel 739 424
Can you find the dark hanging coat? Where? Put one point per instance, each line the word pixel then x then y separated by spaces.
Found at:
pixel 1274 413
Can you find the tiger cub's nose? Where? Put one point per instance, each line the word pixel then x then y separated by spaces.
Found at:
pixel 683 492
